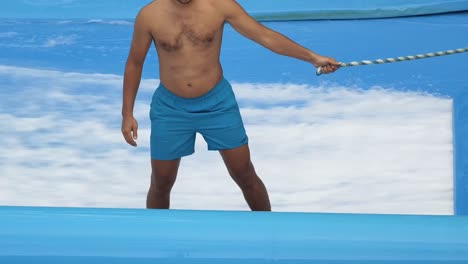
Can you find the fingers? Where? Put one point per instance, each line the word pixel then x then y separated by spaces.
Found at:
pixel 130 131
pixel 128 137
pixel 331 67
pixel 335 65
pixel 328 65
pixel 135 132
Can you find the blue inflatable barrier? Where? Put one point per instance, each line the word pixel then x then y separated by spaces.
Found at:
pixel 67 235
pixel 276 10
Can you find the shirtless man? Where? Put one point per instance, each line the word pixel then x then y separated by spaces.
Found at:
pixel 193 95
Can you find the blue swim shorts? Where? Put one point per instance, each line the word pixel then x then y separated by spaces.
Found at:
pixel 176 120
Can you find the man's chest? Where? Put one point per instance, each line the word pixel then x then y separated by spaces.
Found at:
pixel 175 34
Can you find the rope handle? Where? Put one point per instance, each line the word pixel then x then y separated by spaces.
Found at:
pixel 398 59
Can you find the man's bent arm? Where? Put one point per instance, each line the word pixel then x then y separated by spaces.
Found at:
pixel 274 41
pixel 141 43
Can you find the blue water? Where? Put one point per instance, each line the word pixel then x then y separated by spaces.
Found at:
pixel 90 46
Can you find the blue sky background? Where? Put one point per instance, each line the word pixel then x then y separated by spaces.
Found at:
pixel 374 139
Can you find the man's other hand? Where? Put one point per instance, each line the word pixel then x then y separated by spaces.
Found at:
pixel 130 130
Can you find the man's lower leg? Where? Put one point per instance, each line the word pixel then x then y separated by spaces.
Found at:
pixel 157 199
pixel 256 195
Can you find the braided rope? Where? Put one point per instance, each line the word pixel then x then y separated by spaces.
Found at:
pixel 398 59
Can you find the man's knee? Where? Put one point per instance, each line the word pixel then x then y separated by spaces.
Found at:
pixel 163 182
pixel 164 174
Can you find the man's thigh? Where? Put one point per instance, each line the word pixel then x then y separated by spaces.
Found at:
pixel 237 160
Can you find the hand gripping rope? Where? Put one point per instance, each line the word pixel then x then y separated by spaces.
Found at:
pixel 398 59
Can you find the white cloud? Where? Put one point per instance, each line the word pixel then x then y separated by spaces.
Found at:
pixel 69 79
pixel 110 22
pixel 322 149
pixel 60 41
pixel 34 42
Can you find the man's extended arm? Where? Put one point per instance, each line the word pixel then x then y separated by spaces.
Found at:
pixel 140 45
pixel 274 41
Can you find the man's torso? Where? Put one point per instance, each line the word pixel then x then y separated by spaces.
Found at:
pixel 188 41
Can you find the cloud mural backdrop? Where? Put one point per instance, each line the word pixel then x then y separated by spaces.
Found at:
pixel 370 140
pixel 329 149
